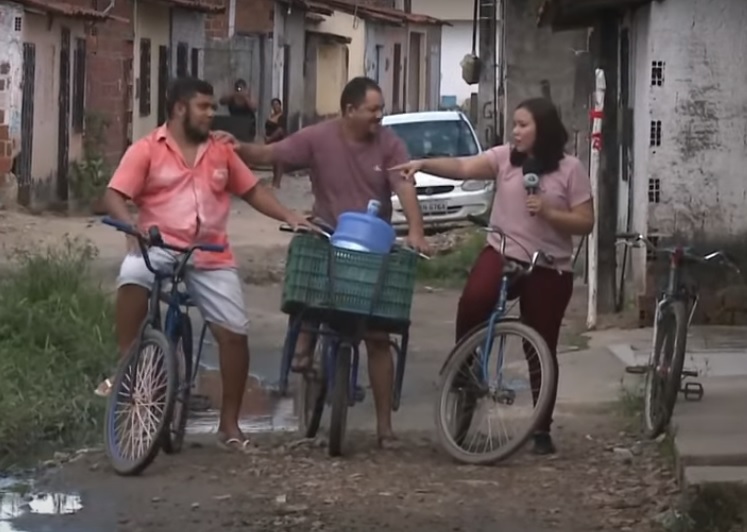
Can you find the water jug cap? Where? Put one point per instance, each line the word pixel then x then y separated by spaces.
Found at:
pixel 374 206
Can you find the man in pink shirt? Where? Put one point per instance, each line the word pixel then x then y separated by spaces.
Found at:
pixel 349 161
pixel 182 180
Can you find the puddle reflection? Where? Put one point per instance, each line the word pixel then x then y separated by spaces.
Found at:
pixel 18 500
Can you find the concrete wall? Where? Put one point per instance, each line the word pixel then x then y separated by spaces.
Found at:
pixel 331 77
pixel 152 21
pixel 11 63
pixel 188 27
pixel 444 9
pixel 379 65
pixel 38 30
pixel 290 31
pixel 536 57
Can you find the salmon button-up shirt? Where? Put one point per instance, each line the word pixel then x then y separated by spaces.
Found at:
pixel 188 204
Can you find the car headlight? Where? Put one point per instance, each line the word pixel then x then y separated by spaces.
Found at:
pixel 473 185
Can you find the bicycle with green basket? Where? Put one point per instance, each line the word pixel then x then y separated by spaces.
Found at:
pixel 343 293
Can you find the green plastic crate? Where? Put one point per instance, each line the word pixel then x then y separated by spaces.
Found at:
pixel 322 277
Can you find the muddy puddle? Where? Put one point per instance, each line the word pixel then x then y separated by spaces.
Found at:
pixel 19 499
pixel 262 410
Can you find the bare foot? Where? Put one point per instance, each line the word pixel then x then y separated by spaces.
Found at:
pixel 389 442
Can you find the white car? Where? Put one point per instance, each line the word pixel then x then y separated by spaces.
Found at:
pixel 441 134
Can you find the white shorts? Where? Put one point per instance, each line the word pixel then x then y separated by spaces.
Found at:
pixel 217 294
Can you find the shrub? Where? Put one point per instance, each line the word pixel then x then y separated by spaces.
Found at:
pixel 56 340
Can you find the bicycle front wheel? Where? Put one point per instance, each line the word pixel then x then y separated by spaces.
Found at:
pixel 468 390
pixel 664 371
pixel 141 404
pixel 340 400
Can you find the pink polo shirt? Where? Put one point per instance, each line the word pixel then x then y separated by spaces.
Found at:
pixel 565 188
pixel 188 204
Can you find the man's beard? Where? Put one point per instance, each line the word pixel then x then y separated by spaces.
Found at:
pixel 192 133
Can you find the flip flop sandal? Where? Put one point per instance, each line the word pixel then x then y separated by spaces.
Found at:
pixel 235 445
pixel 104 388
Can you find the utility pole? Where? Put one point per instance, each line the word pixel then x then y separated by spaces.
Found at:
pixel 488 112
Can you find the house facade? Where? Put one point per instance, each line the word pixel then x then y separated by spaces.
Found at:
pixel 676 108
pixel 334 41
pixel 43 70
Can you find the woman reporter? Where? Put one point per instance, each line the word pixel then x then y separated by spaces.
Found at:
pixel 546 220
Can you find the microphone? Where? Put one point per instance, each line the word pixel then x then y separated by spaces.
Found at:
pixel 531 171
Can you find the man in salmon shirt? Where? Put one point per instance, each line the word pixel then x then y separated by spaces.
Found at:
pixel 349 161
pixel 182 180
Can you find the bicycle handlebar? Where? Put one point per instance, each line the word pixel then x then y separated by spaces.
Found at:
pixel 634 239
pixel 328 235
pixel 154 239
pixel 537 257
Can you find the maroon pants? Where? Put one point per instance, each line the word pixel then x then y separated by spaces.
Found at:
pixel 543 298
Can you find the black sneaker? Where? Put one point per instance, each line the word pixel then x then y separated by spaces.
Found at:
pixel 543 444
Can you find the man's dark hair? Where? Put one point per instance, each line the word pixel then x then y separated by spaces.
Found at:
pixel 551 135
pixel 181 90
pixel 355 91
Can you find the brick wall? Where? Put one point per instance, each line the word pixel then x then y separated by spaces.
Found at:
pixel 216 26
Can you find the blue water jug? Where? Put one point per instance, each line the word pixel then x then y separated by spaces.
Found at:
pixel 364 231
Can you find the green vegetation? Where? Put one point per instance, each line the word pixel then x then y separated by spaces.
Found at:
pixel 56 340
pixel 453 267
pixel 90 175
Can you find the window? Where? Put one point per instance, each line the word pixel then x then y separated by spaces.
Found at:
pixel 79 85
pixel 18 24
pixel 181 59
pixel 654 190
pixel 655 134
pixel 195 62
pixel 145 77
pixel 657 73
pixel 437 138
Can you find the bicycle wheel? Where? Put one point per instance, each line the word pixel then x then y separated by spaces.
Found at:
pixel 664 371
pixel 141 403
pixel 173 438
pixel 470 390
pixel 340 400
pixel 312 392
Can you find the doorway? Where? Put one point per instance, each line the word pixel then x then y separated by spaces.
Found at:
pixel 414 83
pixel 63 135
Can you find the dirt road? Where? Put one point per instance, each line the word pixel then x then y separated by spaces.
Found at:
pixel 602 479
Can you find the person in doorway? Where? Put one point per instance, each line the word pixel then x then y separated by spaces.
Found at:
pixel 349 160
pixel 275 127
pixel 547 221
pixel 241 104
pixel 181 180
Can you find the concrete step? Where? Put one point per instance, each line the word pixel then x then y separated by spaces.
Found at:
pixel 706 449
pixel 699 476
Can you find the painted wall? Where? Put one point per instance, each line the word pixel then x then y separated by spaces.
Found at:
pixel 444 9
pixel 331 77
pixel 354 29
pixel 152 21
pixel 378 57
pixel 46 37
pixel 11 78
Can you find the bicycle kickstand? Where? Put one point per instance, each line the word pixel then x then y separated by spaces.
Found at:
pixel 693 391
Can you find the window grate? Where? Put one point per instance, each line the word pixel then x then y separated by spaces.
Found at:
pixel 655 134
pixel 145 77
pixel 657 73
pixel 18 24
pixel 650 255
pixel 654 190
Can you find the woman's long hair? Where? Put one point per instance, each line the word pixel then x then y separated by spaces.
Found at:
pixel 550 139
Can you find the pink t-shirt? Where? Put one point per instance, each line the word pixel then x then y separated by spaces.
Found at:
pixel 188 204
pixel 565 188
pixel 345 175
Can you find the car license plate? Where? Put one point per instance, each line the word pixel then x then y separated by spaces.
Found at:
pixel 433 207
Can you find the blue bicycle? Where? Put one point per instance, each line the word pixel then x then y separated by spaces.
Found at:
pixel 331 377
pixel 467 384
pixel 148 405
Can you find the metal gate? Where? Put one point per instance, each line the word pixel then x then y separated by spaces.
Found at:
pixel 63 144
pixel 23 171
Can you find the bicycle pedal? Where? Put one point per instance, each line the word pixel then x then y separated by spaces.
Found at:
pixel 636 370
pixel 693 391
